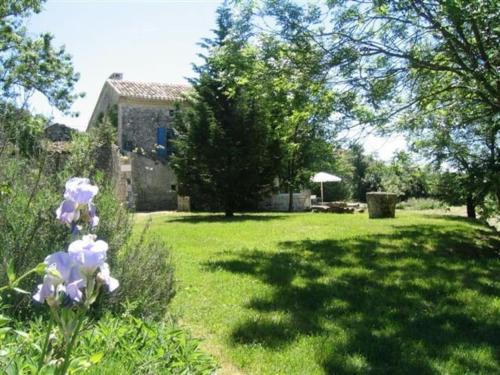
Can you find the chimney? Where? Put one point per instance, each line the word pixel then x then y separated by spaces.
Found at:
pixel 116 76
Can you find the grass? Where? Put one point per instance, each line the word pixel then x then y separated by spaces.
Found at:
pixel 326 293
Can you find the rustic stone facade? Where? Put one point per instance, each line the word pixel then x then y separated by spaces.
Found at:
pixel 144 137
pixel 144 118
pixel 154 185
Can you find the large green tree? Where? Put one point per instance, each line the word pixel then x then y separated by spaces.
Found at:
pixel 29 64
pixel 298 98
pixel 426 68
pixel 223 142
pixel 468 147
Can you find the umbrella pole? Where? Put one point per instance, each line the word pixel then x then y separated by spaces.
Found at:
pixel 321 192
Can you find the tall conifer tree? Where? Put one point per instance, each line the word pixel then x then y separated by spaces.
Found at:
pixel 223 144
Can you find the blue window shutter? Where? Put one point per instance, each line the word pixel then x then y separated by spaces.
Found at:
pixel 161 140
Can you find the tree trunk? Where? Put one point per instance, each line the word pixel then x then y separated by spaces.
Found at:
pixel 471 207
pixel 498 197
pixel 291 177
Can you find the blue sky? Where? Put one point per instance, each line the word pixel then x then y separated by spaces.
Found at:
pixel 150 41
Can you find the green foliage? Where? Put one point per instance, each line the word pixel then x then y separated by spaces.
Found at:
pixel 298 101
pixel 31 188
pixel 420 204
pixel 402 56
pixel 28 231
pixel 449 188
pixel 427 69
pixel 32 64
pixel 19 127
pixel 112 345
pixel 143 261
pixel 362 173
pixel 261 111
pixel 442 56
pixel 111 116
pixel 223 142
pixel 406 178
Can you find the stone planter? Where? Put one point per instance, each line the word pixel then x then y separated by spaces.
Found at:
pixel 381 204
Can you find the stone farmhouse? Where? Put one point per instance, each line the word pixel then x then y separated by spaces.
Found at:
pixel 143 114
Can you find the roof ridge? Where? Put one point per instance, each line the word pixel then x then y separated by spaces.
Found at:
pixel 149 82
pixel 148 90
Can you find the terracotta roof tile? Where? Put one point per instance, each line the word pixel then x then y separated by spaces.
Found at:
pixel 150 91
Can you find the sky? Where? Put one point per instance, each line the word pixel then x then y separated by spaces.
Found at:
pixel 146 40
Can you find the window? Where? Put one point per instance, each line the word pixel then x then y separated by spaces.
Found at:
pixel 127 145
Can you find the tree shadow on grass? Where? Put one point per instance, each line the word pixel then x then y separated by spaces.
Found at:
pixel 452 217
pixel 385 303
pixel 220 218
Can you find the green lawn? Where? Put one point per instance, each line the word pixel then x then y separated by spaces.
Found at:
pixel 325 293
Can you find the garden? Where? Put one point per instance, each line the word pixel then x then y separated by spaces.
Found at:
pixel 89 285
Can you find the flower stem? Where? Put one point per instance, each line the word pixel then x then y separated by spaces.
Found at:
pixel 71 344
pixel 45 347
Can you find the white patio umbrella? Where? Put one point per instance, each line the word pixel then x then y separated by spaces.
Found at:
pixel 324 177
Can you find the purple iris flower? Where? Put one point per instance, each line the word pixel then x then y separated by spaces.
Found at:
pixel 80 191
pixel 62 272
pixel 88 253
pixel 73 290
pixel 62 263
pixel 69 272
pixel 68 212
pixel 105 276
pixel 58 270
pixel 49 289
pixel 94 219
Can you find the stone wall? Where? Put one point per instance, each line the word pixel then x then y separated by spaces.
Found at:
pixel 139 124
pixel 153 184
pixel 279 202
pixel 107 99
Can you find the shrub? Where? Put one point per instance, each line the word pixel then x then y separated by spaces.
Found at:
pixel 421 204
pixel 112 345
pixel 146 274
pixel 28 231
pixel 30 195
pixel 116 222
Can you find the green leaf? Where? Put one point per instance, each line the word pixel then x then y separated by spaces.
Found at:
pixel 22 334
pixel 96 358
pixel 5 330
pixel 21 291
pixel 11 275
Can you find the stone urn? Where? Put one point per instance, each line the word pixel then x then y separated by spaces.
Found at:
pixel 381 204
